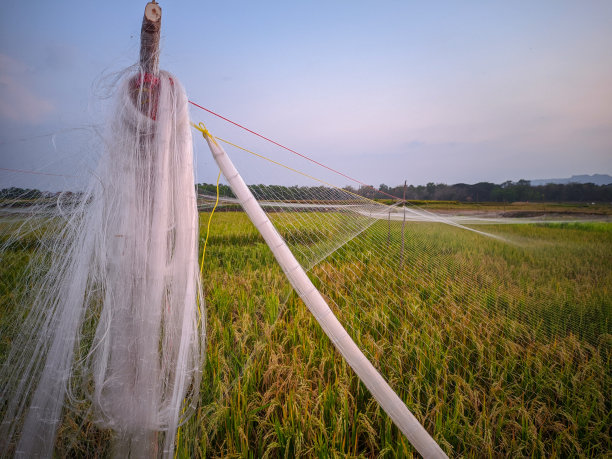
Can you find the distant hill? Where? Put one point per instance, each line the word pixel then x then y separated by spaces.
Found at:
pixel 597 179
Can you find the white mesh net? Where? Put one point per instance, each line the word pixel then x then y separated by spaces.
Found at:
pixel 112 339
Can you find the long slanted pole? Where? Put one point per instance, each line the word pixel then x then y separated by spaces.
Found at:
pixel 378 387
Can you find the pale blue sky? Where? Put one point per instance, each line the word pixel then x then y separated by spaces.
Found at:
pixel 384 91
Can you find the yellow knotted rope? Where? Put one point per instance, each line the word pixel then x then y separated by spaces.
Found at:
pixel 205 133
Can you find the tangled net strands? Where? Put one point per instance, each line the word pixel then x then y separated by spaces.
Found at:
pixel 114 328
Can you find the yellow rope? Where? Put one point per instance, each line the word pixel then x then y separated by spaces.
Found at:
pixel 205 133
pixel 208 226
pixel 178 437
pixel 178 433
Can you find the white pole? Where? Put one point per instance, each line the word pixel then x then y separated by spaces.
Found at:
pixel 382 392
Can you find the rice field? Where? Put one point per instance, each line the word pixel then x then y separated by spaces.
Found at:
pixel 505 350
pixel 499 347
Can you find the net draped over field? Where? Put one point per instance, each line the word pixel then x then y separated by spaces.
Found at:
pixel 497 337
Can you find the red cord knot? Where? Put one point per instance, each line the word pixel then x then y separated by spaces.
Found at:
pixel 144 89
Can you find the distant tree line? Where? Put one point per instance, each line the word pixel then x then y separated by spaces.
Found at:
pixel 280 192
pixel 26 197
pixel 490 192
pixel 211 189
pixel 480 192
pixel 20 193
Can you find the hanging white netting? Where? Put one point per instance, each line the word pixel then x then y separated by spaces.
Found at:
pixel 111 320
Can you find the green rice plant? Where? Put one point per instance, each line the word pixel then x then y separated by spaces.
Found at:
pixel 499 347
pixel 533 382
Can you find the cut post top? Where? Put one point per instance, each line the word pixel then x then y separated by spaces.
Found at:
pixel 144 87
pixel 149 38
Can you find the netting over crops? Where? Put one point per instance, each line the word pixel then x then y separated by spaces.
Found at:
pixel 496 337
pixel 471 325
pixel 106 329
pixel 322 223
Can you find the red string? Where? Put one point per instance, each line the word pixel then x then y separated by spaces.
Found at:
pixel 292 151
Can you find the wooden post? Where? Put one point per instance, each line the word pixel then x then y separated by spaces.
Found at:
pixel 149 38
pixel 144 87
